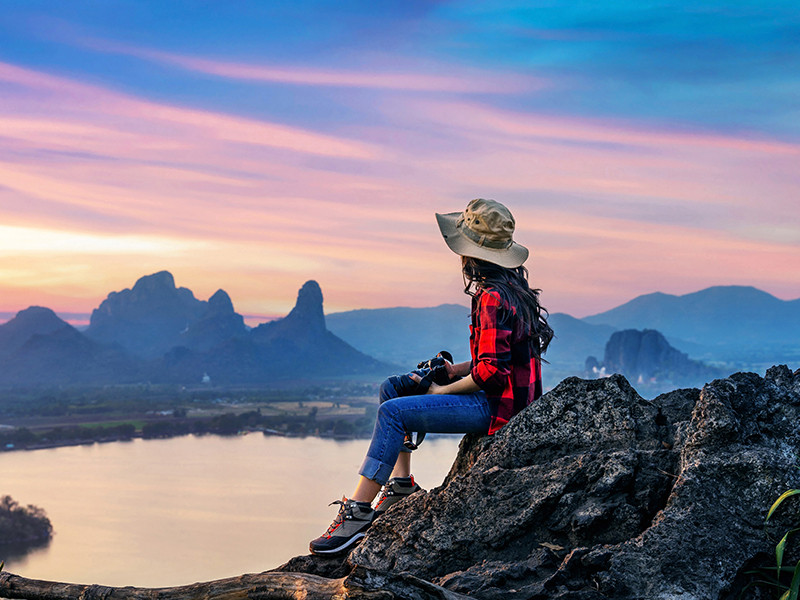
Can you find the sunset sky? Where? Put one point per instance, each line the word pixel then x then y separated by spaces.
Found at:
pixel 253 145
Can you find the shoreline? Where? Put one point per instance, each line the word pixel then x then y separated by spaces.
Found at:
pixel 138 435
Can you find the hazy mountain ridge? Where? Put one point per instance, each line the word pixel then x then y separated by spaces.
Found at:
pixel 37 346
pixel 405 336
pixel 35 320
pixel 735 327
pixel 726 323
pixel 156 332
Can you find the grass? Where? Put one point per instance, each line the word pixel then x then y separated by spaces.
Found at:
pixel 776 577
pixel 793 589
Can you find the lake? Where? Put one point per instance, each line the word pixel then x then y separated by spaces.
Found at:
pixel 154 513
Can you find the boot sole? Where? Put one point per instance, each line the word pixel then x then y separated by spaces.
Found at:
pixel 341 548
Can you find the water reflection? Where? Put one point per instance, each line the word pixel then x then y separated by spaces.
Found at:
pixel 170 512
pixel 16 553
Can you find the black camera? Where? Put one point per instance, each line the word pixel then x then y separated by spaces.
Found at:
pixel 431 371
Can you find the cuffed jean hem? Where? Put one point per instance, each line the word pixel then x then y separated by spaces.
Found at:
pixel 376 470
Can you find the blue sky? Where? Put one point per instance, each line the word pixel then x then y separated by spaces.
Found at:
pixel 721 65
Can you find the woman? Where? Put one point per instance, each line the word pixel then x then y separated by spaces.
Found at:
pixel 509 333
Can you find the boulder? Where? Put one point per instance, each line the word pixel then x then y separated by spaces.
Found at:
pixel 594 492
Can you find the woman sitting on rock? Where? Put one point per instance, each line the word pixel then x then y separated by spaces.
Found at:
pixel 509 333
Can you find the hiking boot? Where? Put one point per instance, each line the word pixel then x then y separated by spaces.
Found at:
pixel 395 490
pixel 347 528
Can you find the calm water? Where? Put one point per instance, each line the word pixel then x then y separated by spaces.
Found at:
pixel 170 512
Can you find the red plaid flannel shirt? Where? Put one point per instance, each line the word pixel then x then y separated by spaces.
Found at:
pixel 502 362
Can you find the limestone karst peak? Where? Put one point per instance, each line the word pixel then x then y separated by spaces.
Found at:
pixel 220 303
pixel 308 308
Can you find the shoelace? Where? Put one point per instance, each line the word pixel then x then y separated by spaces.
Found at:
pixel 386 491
pixel 339 517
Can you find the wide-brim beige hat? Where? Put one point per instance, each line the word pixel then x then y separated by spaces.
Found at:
pixel 484 230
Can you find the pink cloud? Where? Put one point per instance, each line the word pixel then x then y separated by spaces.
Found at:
pixel 203 124
pixel 610 210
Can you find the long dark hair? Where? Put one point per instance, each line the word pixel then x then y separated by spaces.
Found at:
pixel 512 285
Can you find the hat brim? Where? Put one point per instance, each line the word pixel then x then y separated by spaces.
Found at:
pixel 511 257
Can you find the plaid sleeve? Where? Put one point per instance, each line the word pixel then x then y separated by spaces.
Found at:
pixel 492 364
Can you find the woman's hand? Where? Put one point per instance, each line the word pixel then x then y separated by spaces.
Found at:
pixel 462 386
pixel 451 370
pixel 433 389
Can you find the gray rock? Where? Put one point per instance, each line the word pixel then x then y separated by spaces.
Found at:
pixel 594 492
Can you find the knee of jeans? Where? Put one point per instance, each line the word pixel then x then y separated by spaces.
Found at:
pixel 387 411
pixel 388 390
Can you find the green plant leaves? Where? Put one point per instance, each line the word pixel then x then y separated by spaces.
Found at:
pixel 792 591
pixel 794 587
pixel 778 502
pixel 781 547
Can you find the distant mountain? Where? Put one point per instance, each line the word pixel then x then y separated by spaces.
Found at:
pixel 723 323
pixel 574 340
pixel 35 320
pixel 158 333
pixel 405 336
pixel 38 348
pixel 218 324
pixel 299 346
pixel 304 324
pixel 650 362
pixel 148 319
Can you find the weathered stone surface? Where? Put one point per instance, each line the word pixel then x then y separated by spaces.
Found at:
pixel 594 492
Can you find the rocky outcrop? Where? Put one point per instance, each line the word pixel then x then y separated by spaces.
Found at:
pixel 646 358
pixel 591 493
pixel 594 493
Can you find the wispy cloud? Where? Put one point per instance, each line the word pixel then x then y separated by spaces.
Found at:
pixel 207 125
pixel 458 80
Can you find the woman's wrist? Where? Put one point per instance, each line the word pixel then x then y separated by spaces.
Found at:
pixel 462 386
pixel 461 369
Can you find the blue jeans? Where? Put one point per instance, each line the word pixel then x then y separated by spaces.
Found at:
pixel 431 413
